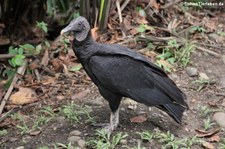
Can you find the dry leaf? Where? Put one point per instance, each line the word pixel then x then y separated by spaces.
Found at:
pixel 203 133
pixel 34 133
pixel 214 138
pixel 94 33
pixel 57 64
pixel 154 4
pixel 23 96
pixel 208 145
pixel 49 80
pixel 138 119
pixel 45 58
pixel 80 95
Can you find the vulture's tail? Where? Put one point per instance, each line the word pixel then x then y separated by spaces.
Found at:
pixel 174 110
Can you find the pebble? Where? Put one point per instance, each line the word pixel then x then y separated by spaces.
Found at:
pixel 81 143
pixel 20 147
pixel 123 141
pixel 203 76
pixel 223 103
pixel 223 58
pixel 219 117
pixel 75 133
pixel 215 37
pixel 191 71
pixel 74 139
pixel 222 82
pixel 128 101
pixel 61 119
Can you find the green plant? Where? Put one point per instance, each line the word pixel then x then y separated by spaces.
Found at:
pixel 41 120
pixel 201 83
pixel 146 135
pixel 205 110
pixel 222 144
pixel 23 126
pixel 64 146
pixel 170 140
pixel 138 146
pixel 48 111
pixel 43 147
pixel 198 29
pixel 208 123
pixel 103 141
pixel 189 142
pixel 172 53
pixel 74 112
pixel 3 132
pixel 43 26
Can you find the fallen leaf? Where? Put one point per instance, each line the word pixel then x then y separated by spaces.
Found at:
pixel 45 58
pixel 203 133
pixel 94 33
pixel 59 97
pixel 34 133
pixel 138 119
pixel 23 96
pixel 80 95
pixel 48 80
pixel 57 64
pixel 75 67
pixel 208 145
pixel 214 138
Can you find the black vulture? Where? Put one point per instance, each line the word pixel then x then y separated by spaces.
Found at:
pixel 121 72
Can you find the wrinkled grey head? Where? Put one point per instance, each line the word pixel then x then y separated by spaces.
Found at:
pixel 79 26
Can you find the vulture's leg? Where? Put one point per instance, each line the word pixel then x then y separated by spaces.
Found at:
pixel 114 119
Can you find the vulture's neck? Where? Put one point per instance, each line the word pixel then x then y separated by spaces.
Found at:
pixel 83 44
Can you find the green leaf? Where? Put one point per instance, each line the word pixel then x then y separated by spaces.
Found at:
pixel 27 47
pixel 20 51
pixel 141 29
pixel 13 50
pixel 42 25
pixel 142 12
pixel 76 68
pixel 47 44
pixel 18 60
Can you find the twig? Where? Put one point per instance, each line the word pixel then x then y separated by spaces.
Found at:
pixel 208 51
pixel 20 71
pixel 170 4
pixel 122 8
pixel 7 56
pixel 120 15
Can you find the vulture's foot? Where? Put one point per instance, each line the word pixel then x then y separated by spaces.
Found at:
pixel 114 121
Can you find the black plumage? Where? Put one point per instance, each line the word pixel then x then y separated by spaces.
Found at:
pixel 121 72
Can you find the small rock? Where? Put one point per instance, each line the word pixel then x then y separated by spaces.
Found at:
pixel 223 103
pixel 81 143
pixel 132 107
pixel 74 139
pixel 203 76
pixel 215 37
pixel 191 71
pixel 223 58
pixel 222 82
pixel 20 147
pixel 61 119
pixel 219 117
pixel 128 101
pixel 123 141
pixel 75 133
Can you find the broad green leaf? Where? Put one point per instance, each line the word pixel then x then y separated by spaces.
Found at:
pixel 141 29
pixel 76 68
pixel 27 47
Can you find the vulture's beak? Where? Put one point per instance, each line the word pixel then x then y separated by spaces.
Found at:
pixel 66 29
